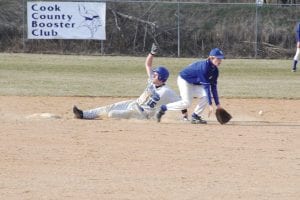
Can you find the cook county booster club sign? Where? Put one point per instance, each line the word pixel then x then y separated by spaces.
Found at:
pixel 66 20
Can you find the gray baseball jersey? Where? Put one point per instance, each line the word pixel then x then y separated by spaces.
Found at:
pixel 142 108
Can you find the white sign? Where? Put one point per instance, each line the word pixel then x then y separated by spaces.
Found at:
pixel 66 20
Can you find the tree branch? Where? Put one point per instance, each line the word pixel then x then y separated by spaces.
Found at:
pixel 152 24
pixel 116 19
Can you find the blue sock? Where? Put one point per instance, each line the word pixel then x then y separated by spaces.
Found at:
pixel 295 64
pixel 195 115
pixel 163 108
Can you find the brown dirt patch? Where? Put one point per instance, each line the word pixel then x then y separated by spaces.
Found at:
pixel 59 157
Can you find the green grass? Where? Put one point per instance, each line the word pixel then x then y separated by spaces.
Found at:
pixel 61 75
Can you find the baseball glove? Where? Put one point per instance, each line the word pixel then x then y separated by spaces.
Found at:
pixel 222 116
pixel 154 49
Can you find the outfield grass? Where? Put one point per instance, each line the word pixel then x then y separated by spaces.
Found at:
pixel 61 75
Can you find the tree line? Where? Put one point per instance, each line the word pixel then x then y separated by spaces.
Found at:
pixel 240 30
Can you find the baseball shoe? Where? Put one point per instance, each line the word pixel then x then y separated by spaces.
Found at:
pixel 159 115
pixel 294 70
pixel 77 112
pixel 185 118
pixel 196 119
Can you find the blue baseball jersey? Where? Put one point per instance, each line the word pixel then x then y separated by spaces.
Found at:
pixel 298 32
pixel 203 73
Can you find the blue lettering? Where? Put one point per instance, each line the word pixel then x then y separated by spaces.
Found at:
pixel 37 32
pixel 34 32
pixel 54 33
pixel 44 8
pixel 57 8
pixel 34 16
pixel 34 24
pixel 50 8
pixel 33 7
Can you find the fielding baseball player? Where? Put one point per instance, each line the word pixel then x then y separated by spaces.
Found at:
pixel 297 55
pixel 156 94
pixel 197 80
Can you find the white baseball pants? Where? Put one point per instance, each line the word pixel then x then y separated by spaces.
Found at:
pixel 297 55
pixel 187 92
pixel 121 110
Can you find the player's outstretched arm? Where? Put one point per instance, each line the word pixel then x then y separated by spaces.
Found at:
pixel 149 59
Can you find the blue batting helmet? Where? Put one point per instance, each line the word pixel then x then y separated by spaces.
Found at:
pixel 216 52
pixel 163 73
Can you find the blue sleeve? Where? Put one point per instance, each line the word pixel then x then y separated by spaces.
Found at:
pixel 203 75
pixel 215 93
pixel 207 90
pixel 298 33
pixel 212 87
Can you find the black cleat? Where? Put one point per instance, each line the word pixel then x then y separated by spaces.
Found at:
pixel 197 119
pixel 159 115
pixel 185 119
pixel 77 112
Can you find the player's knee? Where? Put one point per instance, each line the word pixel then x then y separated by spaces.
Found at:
pixel 186 103
pixel 119 114
pixel 297 55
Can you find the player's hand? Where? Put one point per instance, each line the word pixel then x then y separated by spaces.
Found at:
pixel 154 49
pixel 210 110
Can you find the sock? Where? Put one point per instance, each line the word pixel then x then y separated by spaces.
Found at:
pixel 163 108
pixel 195 115
pixel 295 64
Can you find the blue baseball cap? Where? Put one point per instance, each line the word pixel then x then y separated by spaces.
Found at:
pixel 216 52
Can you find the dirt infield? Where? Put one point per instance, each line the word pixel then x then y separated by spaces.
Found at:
pixel 47 154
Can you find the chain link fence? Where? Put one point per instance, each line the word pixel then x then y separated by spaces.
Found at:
pixel 180 28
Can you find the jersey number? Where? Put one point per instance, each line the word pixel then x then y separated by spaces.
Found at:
pixel 153 100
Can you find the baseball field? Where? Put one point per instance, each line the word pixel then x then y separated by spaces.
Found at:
pixel 47 154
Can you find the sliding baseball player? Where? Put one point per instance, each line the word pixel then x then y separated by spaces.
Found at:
pixel 157 93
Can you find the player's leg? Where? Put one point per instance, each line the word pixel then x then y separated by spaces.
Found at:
pixel 104 110
pixel 197 114
pixel 120 114
pixel 132 110
pixel 186 93
pixel 296 57
pixel 97 112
